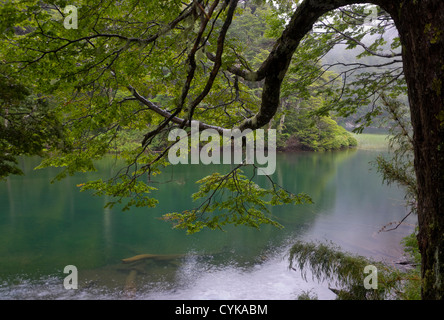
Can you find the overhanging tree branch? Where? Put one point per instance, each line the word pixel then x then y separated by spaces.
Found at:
pixel 276 65
pixel 168 115
pixel 366 48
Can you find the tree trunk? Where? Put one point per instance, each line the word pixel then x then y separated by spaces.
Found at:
pixel 421 27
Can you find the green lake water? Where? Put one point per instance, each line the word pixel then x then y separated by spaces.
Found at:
pixel 45 227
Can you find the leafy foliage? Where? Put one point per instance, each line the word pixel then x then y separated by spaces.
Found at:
pixel 399 167
pixel 364 54
pixel 240 202
pixel 134 70
pixel 28 126
pixel 301 132
pixel 328 262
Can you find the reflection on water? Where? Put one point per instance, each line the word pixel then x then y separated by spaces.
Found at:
pixel 44 227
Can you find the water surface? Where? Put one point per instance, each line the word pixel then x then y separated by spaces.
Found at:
pixel 44 227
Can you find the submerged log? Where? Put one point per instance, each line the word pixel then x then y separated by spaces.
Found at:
pixel 138 258
pixel 152 256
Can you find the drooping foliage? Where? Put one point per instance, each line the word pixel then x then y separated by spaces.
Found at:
pixel 344 273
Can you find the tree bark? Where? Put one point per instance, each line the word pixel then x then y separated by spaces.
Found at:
pixel 421 27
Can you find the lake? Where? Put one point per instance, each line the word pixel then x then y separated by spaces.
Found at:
pixel 45 227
